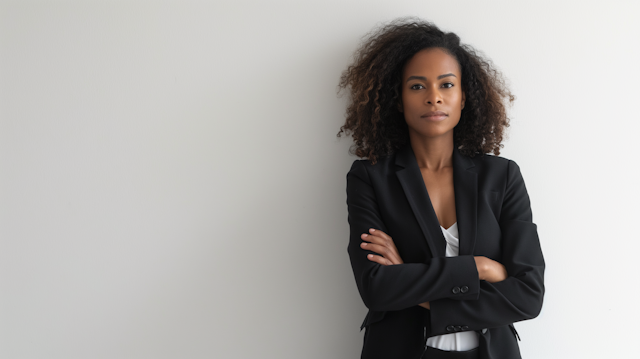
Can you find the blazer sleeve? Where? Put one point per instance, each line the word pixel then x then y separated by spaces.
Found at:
pixel 520 296
pixel 396 287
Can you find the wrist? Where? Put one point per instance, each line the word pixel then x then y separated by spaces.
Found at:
pixel 481 267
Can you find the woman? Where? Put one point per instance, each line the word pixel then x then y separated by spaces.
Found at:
pixel 442 244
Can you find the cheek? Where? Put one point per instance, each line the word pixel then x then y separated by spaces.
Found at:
pixel 456 102
pixel 409 103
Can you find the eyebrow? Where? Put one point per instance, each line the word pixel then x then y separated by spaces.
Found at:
pixel 425 79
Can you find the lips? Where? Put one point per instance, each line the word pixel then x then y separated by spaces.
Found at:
pixel 434 116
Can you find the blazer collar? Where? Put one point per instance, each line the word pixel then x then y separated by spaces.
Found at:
pixel 465 183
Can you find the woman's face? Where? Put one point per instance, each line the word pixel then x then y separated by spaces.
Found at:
pixel 432 97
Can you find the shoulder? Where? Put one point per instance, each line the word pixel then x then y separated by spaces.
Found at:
pixel 490 160
pixel 493 162
pixel 496 168
pixel 383 165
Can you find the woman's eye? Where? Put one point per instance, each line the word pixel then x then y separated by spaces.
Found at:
pixel 417 87
pixel 447 85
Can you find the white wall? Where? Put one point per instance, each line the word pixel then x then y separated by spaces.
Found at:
pixel 171 185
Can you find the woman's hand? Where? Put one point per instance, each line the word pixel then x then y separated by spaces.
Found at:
pixel 490 270
pixel 379 242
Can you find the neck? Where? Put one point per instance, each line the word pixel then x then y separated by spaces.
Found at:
pixel 434 153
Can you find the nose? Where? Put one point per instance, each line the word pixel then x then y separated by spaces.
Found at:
pixel 433 97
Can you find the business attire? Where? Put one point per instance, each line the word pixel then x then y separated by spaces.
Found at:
pixel 459 341
pixel 493 220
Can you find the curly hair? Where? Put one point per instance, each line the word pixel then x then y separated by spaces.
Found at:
pixel 373 81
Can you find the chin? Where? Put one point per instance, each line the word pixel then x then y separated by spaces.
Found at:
pixel 434 133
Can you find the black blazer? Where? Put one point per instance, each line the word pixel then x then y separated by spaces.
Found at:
pixel 494 220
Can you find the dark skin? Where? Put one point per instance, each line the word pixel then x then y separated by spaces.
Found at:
pixel 432 101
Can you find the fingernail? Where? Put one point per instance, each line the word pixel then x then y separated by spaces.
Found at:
pixel 372 230
pixel 363 244
pixel 365 235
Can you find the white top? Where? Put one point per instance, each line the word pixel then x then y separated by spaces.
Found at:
pixel 455 341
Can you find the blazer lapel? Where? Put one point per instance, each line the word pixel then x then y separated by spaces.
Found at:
pixel 465 183
pixel 414 188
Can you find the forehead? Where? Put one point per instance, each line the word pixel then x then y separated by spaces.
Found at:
pixel 433 61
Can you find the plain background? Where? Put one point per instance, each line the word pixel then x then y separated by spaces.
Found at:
pixel 171 185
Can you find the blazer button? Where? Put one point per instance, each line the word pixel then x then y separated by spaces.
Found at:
pixel 456 290
pixel 450 328
pixel 464 289
pixel 465 327
pixel 458 328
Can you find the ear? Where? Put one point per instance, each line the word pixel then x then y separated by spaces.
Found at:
pixel 464 98
pixel 400 108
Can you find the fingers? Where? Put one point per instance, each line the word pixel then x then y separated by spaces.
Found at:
pixel 381 243
pixel 383 247
pixel 380 249
pixel 379 260
pixel 378 237
pixel 379 233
